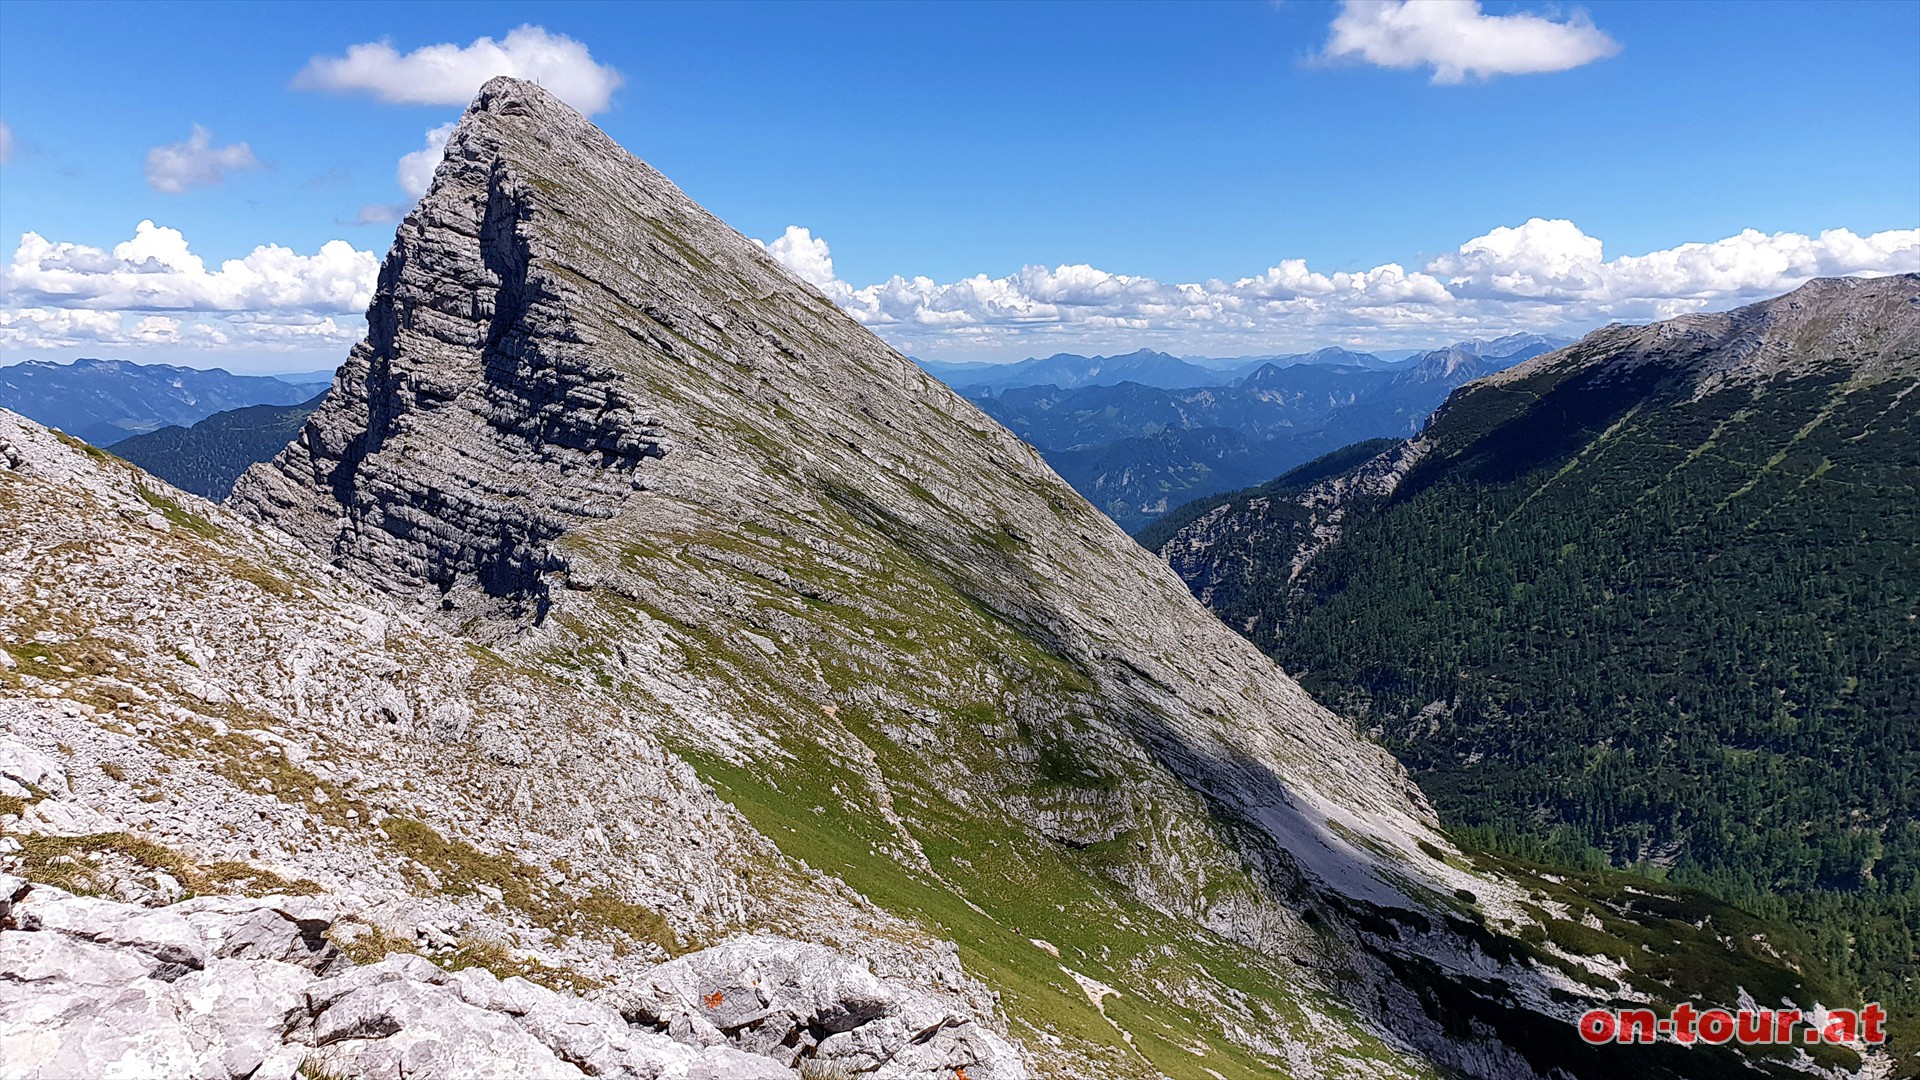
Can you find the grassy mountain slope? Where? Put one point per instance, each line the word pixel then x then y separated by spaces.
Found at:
pixel 1652 600
pixel 209 456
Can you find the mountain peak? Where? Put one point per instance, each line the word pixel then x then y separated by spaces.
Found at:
pixel 1870 325
pixel 564 351
pixel 553 119
pixel 600 432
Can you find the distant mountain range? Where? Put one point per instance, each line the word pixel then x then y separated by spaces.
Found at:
pixel 1135 444
pixel 1137 434
pixel 106 401
pixel 1070 371
pixel 209 456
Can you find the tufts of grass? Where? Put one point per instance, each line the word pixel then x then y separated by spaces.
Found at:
pixel 464 870
pixel 636 921
pixel 263 579
pixel 498 959
pixel 177 516
pixel 88 448
pixel 312 1068
pixel 70 863
pixel 244 761
pixel 370 947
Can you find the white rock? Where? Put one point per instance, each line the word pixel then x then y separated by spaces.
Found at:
pixel 58 817
pixel 23 765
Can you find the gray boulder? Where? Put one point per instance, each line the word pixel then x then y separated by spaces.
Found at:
pixel 795 1001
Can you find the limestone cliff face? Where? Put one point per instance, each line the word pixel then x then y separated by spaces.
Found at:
pixel 568 357
pixel 475 422
pixel 593 425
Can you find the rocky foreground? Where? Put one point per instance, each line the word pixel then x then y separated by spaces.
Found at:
pixel 230 987
pixel 172 699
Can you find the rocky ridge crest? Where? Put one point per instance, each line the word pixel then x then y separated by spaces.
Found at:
pixel 1869 326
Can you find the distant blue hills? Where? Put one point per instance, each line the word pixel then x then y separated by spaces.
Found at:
pixel 105 401
pixel 1141 433
pixel 1165 371
pixel 1136 433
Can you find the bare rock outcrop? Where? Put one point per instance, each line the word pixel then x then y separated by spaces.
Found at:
pixel 792 1001
pixel 225 988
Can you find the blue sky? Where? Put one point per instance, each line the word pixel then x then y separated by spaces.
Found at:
pixel 1140 147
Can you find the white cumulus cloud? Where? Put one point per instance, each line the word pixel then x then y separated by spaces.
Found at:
pixel 152 292
pixel 1554 260
pixel 800 251
pixel 157 271
pixel 1542 275
pixel 449 74
pixel 1459 41
pixel 175 167
pixel 31 330
pixel 416 169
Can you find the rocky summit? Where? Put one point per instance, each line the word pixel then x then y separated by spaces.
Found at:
pixel 636 667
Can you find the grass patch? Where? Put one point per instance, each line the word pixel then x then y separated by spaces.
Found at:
pixel 177 516
pixel 88 449
pixel 994 894
pixel 498 959
pixel 460 869
pixel 244 762
pixel 263 579
pixel 73 864
pixel 311 1068
pixel 370 947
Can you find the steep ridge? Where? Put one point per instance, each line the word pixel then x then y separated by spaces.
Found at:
pixel 569 358
pixel 1649 600
pixel 596 426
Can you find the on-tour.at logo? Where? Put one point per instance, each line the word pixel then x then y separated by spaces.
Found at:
pixel 1753 1027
